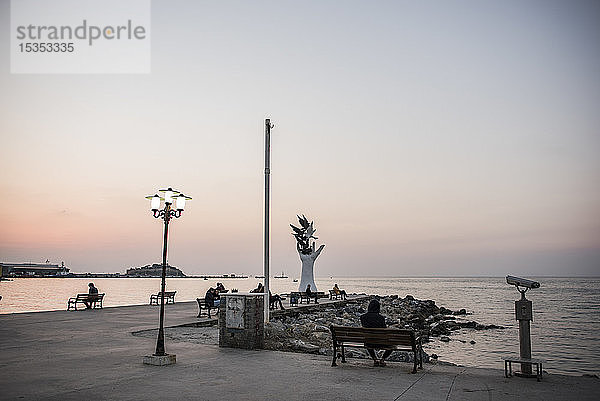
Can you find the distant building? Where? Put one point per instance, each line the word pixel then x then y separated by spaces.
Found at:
pixel 33 270
pixel 154 270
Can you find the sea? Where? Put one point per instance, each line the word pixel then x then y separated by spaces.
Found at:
pixel 565 331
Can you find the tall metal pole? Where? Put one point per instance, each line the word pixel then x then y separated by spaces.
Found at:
pixel 268 127
pixel 160 341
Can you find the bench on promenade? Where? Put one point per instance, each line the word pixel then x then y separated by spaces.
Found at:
pixel 95 300
pixel 204 309
pixel 169 297
pixel 509 361
pixel 339 295
pixel 387 339
pixel 299 297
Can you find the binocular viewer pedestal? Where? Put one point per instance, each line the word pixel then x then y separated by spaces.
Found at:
pixel 524 314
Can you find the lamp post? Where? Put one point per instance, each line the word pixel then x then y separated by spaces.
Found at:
pixel 160 357
pixel 268 127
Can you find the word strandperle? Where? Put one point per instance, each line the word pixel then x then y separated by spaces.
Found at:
pixel 84 31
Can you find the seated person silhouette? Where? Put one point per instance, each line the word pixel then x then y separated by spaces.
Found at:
pixel 374 319
pixel 310 293
pixel 337 291
pixel 273 300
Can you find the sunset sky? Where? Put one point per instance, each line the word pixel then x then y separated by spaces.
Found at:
pixel 423 138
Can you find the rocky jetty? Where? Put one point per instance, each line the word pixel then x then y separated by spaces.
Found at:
pixel 307 329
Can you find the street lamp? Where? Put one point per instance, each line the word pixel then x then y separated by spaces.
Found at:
pixel 160 357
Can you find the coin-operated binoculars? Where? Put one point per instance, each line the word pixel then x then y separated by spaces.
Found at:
pixel 524 314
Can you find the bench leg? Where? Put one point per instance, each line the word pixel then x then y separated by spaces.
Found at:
pixel 343 354
pixel 416 363
pixel 334 355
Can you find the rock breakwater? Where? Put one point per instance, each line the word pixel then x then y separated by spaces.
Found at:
pixel 307 329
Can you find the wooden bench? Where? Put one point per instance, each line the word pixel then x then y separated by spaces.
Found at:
pixel 509 361
pixel 94 299
pixel 169 298
pixel 333 295
pixel 387 339
pixel 299 297
pixel 203 309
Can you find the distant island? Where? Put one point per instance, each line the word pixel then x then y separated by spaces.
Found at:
pixel 153 270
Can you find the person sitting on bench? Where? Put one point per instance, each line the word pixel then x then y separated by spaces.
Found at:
pixel 259 289
pixel 211 299
pixel 374 319
pixel 93 291
pixel 220 287
pixel 273 299
pixel 309 294
pixel 337 291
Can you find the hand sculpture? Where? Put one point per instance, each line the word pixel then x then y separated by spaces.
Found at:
pixel 307 252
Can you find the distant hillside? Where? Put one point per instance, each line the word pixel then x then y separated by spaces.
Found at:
pixel 154 270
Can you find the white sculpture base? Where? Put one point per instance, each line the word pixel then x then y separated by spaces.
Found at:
pixel 307 277
pixel 308 265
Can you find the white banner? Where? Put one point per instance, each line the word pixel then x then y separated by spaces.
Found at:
pixel 80 36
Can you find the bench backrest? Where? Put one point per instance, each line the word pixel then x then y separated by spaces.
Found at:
pixel 90 296
pixel 202 303
pixel 387 336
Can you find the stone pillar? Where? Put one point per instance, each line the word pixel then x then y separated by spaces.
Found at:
pixel 241 321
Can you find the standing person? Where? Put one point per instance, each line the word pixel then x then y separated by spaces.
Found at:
pixel 92 291
pixel 309 294
pixel 375 320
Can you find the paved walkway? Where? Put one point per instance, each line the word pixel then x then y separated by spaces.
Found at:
pixel 91 354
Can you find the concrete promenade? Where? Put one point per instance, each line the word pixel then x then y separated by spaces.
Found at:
pixel 91 354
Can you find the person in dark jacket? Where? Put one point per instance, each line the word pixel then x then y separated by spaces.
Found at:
pixel 211 298
pixel 374 319
pixel 310 293
pixel 93 291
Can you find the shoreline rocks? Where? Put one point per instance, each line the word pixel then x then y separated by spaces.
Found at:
pixel 307 330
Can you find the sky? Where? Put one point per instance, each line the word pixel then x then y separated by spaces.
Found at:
pixel 424 138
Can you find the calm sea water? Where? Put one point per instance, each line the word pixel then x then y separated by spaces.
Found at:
pixel 565 331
